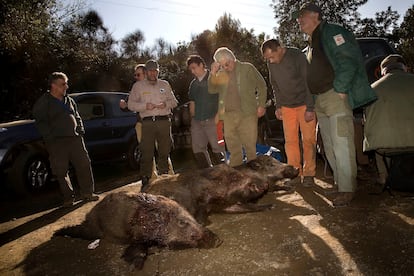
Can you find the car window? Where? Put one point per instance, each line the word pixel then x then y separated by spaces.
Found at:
pixel 117 111
pixel 91 108
pixel 374 48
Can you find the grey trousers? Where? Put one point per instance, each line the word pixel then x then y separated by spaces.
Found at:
pixel 335 120
pixel 204 133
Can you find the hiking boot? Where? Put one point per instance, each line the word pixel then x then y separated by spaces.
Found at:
pixel 144 183
pixel 308 181
pixel 343 199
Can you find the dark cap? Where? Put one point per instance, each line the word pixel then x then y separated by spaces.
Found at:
pixel 306 7
pixel 392 61
pixel 151 65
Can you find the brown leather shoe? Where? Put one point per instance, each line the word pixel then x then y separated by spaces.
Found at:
pixel 343 199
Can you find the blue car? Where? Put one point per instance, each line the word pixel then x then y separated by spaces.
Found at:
pixel 109 136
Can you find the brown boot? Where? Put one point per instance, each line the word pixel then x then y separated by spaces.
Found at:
pixel 331 190
pixel 343 199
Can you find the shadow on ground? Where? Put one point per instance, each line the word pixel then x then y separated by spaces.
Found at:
pixel 302 235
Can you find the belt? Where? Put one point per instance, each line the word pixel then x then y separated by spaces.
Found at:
pixel 156 118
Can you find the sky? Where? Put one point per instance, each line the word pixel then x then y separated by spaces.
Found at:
pixel 177 20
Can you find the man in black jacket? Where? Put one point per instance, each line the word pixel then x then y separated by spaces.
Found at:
pixel 61 127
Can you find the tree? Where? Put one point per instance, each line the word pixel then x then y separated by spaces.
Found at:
pixel 23 23
pixel 204 45
pixel 382 25
pixel 162 48
pixel 406 35
pixel 342 12
pixel 243 42
pixel 131 45
pixel 87 53
pixel 25 34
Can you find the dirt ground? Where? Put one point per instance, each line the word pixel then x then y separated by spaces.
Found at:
pixel 303 235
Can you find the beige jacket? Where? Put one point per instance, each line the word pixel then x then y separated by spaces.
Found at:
pixel 144 92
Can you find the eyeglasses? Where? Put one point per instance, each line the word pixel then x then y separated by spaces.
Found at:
pixel 138 75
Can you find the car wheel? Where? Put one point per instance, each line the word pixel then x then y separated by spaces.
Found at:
pixel 31 173
pixel 134 154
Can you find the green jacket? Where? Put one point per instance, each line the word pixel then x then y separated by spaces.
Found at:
pixel 342 50
pixel 390 120
pixel 251 85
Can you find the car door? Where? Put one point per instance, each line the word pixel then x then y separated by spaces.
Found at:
pixel 98 126
pixel 123 124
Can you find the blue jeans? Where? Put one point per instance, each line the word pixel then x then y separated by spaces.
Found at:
pixel 335 120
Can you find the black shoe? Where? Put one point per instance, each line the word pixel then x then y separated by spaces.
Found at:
pixel 308 181
pixel 90 198
pixel 67 203
pixel 145 183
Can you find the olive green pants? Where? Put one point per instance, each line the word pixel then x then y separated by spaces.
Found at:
pixel 155 132
pixel 240 132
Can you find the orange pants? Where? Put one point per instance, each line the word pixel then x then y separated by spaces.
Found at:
pixel 293 120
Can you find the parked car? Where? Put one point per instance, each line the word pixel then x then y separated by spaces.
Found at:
pixel 109 136
pixel 373 49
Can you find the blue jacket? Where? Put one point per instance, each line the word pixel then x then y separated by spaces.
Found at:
pixel 342 50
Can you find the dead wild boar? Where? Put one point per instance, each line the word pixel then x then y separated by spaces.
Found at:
pixel 270 170
pixel 141 221
pixel 222 188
